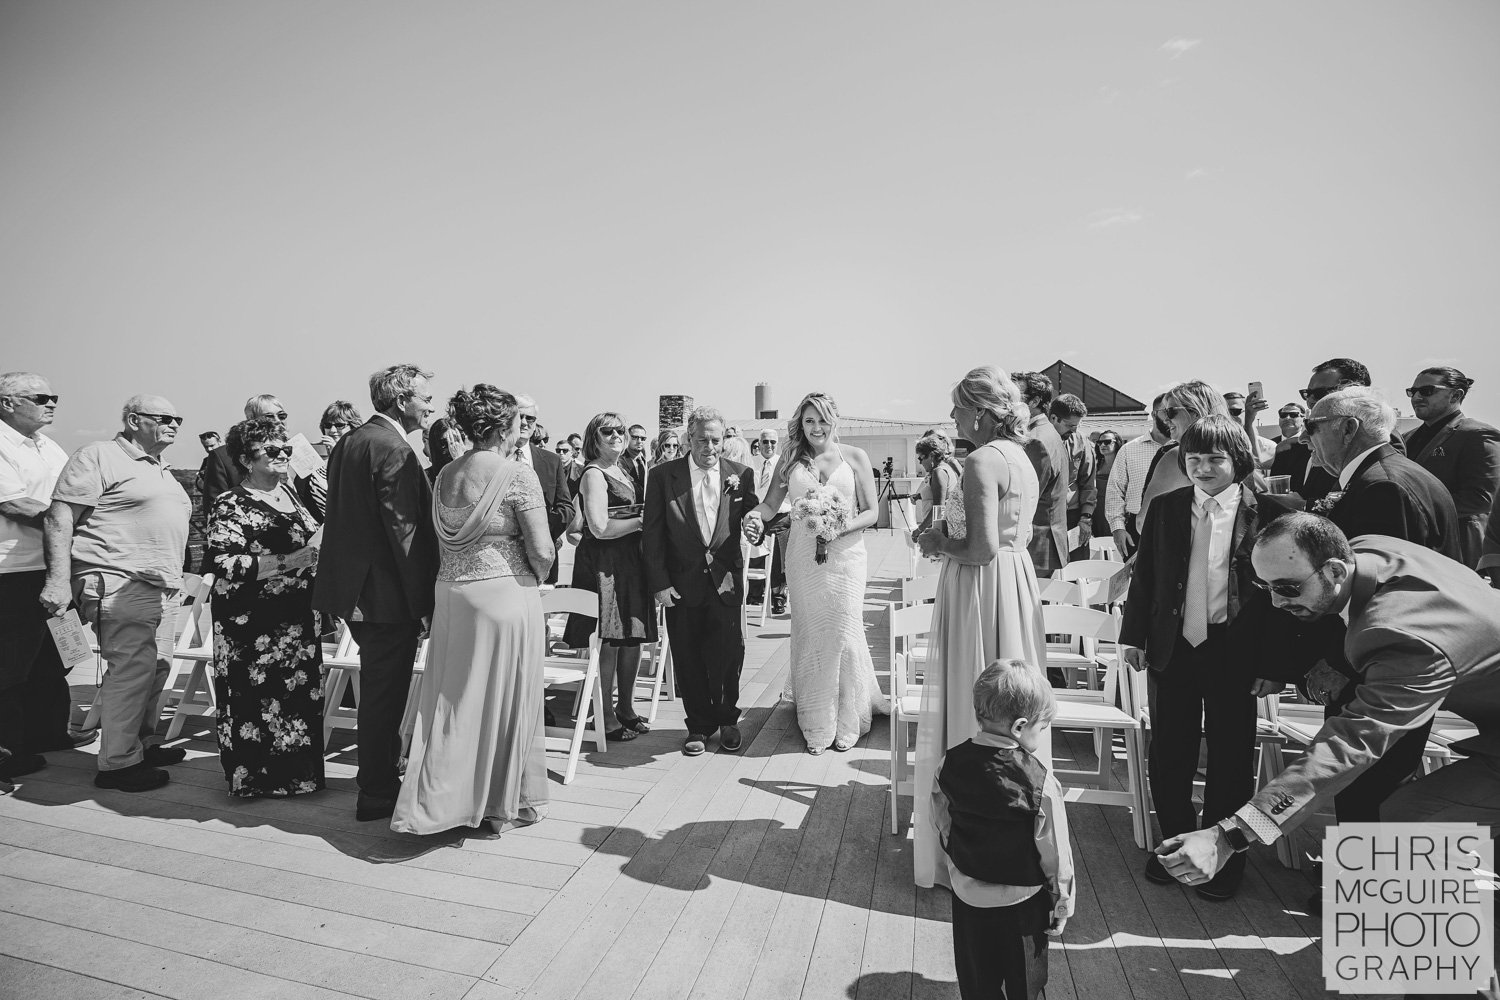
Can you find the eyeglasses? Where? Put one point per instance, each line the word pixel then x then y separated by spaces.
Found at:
pixel 565 450
pixel 1417 390
pixel 337 425
pixel 1311 396
pixel 1287 589
pixel 279 415
pixel 612 431
pixel 1237 413
pixel 526 418
pixel 670 446
pixel 1171 412
pixel 1290 414
pixel 414 395
pixel 1313 423
pixel 40 399
pixel 275 451
pixel 170 419
pixel 638 437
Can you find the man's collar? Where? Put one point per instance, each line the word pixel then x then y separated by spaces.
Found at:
pixel 1352 466
pixel 1038 420
pixel 695 468
pixel 16 437
pixel 134 451
pixel 396 424
pixel 1438 425
pixel 1228 499
pixel 985 739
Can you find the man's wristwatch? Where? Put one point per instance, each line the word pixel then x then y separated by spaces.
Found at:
pixel 1238 842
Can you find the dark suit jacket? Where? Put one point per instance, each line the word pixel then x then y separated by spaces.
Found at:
pixel 379 549
pixel 1424 634
pixel 1158 588
pixel 673 546
pixel 219 473
pixel 1465 456
pixel 1319 482
pixel 1389 494
pixel 1049 525
pixel 548 466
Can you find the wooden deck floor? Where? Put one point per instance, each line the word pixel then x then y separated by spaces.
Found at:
pixel 768 873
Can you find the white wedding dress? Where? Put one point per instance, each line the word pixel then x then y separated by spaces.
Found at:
pixel 832 677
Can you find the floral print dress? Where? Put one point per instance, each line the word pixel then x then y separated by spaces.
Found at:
pixel 268 661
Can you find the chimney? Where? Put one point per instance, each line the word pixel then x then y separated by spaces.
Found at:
pixel 764 408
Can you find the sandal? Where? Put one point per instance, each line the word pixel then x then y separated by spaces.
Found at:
pixel 841 747
pixel 622 735
pixel 636 724
pixel 815 750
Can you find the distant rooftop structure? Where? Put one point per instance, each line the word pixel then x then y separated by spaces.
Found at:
pixel 1099 397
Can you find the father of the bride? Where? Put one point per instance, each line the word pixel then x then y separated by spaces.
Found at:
pixel 691 543
pixel 1424 634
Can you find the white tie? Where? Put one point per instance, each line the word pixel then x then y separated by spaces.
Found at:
pixel 708 508
pixel 1195 608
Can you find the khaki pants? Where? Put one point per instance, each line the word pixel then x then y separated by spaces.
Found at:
pixel 125 614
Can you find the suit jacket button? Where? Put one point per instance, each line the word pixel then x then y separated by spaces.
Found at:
pixel 1179 586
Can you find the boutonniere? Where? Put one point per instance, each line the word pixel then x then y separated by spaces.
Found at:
pixel 1327 504
pixel 731 483
pixel 1438 452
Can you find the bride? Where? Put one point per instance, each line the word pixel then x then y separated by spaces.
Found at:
pixel 833 678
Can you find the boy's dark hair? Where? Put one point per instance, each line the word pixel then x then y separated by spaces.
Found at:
pixel 1348 370
pixel 1034 386
pixel 1067 405
pixel 1217 432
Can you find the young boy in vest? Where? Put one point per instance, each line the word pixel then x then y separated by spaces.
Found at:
pixel 1000 817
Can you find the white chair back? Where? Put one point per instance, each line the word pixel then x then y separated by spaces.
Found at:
pixel 919 589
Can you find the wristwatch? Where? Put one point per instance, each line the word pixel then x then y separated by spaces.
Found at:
pixel 1238 842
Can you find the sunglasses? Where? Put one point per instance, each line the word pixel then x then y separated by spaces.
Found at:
pixel 1171 412
pixel 170 419
pixel 1417 390
pixel 40 399
pixel 275 451
pixel 1290 415
pixel 1287 589
pixel 1313 395
pixel 612 431
pixel 337 425
pixel 671 446
pixel 638 437
pixel 1237 413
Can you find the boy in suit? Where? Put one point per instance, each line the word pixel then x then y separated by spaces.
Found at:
pixel 1000 817
pixel 1192 576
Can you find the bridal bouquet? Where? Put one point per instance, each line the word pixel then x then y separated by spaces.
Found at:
pixel 826 514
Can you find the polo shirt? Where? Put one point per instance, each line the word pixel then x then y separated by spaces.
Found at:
pixel 28 470
pixel 138 524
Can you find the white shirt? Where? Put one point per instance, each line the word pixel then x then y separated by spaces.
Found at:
pixel 1352 465
pixel 765 474
pixel 1127 480
pixel 1220 539
pixel 523 455
pixel 28 470
pixel 705 497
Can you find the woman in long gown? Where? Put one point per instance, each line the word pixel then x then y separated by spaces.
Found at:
pixel 988 605
pixel 832 675
pixel 479 751
pixel 268 662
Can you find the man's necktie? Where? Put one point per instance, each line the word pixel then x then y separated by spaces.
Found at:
pixel 708 510
pixel 1195 608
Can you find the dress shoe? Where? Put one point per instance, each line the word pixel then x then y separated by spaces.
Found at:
pixel 730 738
pixel 160 756
pixel 21 763
pixel 1157 872
pixel 140 777
pixel 67 741
pixel 695 744
pixel 778 604
pixel 1222 887
pixel 372 807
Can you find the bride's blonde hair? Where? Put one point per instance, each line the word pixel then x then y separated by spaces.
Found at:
pixel 797 448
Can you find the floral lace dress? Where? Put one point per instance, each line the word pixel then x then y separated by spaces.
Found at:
pixel 268 662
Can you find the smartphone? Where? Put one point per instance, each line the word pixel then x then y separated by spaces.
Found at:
pixel 1256 389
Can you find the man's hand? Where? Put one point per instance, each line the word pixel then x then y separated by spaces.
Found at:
pixel 1196 857
pixel 1492 574
pixel 55 598
pixel 1324 684
pixel 1135 657
pixel 1085 531
pixel 1055 929
pixel 668 598
pixel 1262 687
pixel 426 626
pixel 1122 543
pixel 754 529
pixel 1256 403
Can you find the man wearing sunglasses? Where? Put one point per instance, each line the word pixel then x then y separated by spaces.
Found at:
pixel 551 471
pixel 1462 452
pixel 114 536
pixel 35 708
pixel 220 473
pixel 1330 376
pixel 1424 634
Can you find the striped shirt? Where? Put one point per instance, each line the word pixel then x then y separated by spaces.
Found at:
pixel 1127 480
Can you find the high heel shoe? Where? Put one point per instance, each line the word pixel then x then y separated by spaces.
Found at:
pixel 841 746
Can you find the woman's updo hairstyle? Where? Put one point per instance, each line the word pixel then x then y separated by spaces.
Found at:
pixel 248 436
pixel 482 411
pixel 989 389
pixel 934 443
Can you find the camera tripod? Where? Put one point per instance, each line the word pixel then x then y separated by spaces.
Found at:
pixel 887 491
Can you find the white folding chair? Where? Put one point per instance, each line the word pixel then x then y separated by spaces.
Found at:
pixel 1103 549
pixel 909 627
pixel 340 675
pixel 565 556
pixel 414 696
pixel 1092 575
pixel 194 657
pixel 767 548
pixel 922 566
pixel 656 664
pixel 583 674
pixel 918 589
pixel 1104 712
pixel 1076 652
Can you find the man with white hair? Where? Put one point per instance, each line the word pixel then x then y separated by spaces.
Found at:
pixel 34 701
pixel 114 537
pixel 550 471
pixel 220 473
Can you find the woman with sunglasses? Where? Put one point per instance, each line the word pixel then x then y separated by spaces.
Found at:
pixel 1183 405
pixel 609 563
pixel 268 661
pixel 667 446
pixel 1106 450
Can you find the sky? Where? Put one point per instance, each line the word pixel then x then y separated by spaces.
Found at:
pixel 597 203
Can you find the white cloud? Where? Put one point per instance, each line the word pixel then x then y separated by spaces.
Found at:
pixel 1194 174
pixel 1107 217
pixel 1176 47
pixel 1110 94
